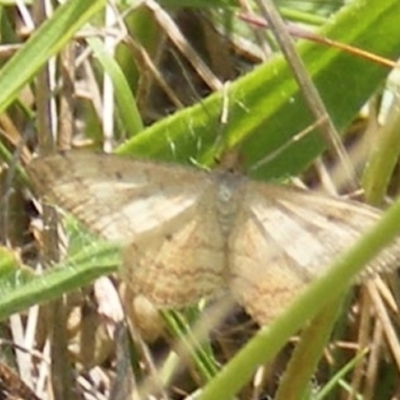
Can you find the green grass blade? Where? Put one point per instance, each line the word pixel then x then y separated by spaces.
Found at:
pixel 265 108
pixel 44 43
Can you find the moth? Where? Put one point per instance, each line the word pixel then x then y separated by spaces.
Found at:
pixel 189 234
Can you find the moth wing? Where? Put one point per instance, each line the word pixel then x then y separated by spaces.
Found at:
pixel 117 197
pixel 165 215
pixel 286 237
pixel 182 265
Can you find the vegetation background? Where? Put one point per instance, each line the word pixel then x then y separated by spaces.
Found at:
pixel 183 81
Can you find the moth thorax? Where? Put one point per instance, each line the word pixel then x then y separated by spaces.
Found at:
pixel 227 205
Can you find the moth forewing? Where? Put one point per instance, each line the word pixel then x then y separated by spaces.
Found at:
pixel 117 197
pixel 338 224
